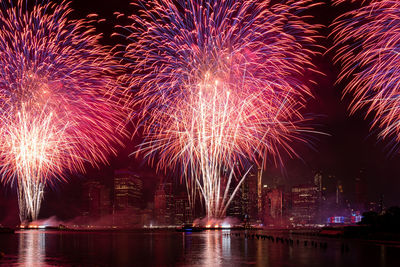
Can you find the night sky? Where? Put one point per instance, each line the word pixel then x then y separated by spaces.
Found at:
pixel 351 146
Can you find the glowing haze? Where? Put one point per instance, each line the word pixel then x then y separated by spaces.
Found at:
pixel 59 103
pixel 220 86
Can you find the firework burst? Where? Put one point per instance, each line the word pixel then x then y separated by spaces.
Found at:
pixel 58 107
pixel 367 44
pixel 220 86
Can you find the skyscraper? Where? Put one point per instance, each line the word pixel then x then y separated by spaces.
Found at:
pixel 273 210
pixel 127 190
pixel 259 193
pixel 250 197
pixel 318 180
pixel 183 211
pixel 96 199
pixel 164 204
pixel 236 206
pixel 304 203
pixel 360 192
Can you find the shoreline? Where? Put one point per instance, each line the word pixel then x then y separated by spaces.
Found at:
pixel 377 238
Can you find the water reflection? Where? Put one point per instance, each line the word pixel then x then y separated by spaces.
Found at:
pixel 383 255
pixel 213 248
pixel 32 248
pixel 170 248
pixel 226 244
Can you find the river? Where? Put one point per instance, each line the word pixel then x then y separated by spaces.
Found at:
pixel 170 248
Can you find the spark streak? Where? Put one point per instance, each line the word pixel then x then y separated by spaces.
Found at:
pixel 220 86
pixel 367 44
pixel 59 103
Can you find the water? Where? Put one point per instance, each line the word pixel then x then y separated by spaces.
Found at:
pixel 169 248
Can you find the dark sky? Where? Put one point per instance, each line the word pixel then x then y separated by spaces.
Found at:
pixel 351 146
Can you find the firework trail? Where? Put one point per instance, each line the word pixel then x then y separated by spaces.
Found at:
pixel 367 44
pixel 59 103
pixel 220 85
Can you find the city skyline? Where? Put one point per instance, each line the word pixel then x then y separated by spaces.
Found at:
pixel 313 202
pixel 144 189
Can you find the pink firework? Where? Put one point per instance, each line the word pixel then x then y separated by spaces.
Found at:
pixel 59 102
pixel 367 44
pixel 220 86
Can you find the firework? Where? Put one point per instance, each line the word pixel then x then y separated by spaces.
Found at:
pixel 58 108
pixel 220 86
pixel 367 44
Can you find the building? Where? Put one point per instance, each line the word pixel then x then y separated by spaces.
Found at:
pixel 339 199
pixel 250 197
pixel 164 204
pixel 260 193
pixel 318 180
pixel 329 186
pixel 333 201
pixel 146 216
pixel 236 206
pixel 128 189
pixel 183 211
pixel 128 199
pixel 273 207
pixel 96 199
pixel 287 206
pixel 304 203
pixel 360 193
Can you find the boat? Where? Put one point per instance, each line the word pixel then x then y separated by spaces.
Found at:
pixel 189 228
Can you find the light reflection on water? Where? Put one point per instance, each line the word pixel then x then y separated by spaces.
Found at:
pixel 31 248
pixel 212 249
pixel 169 248
pixel 226 244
